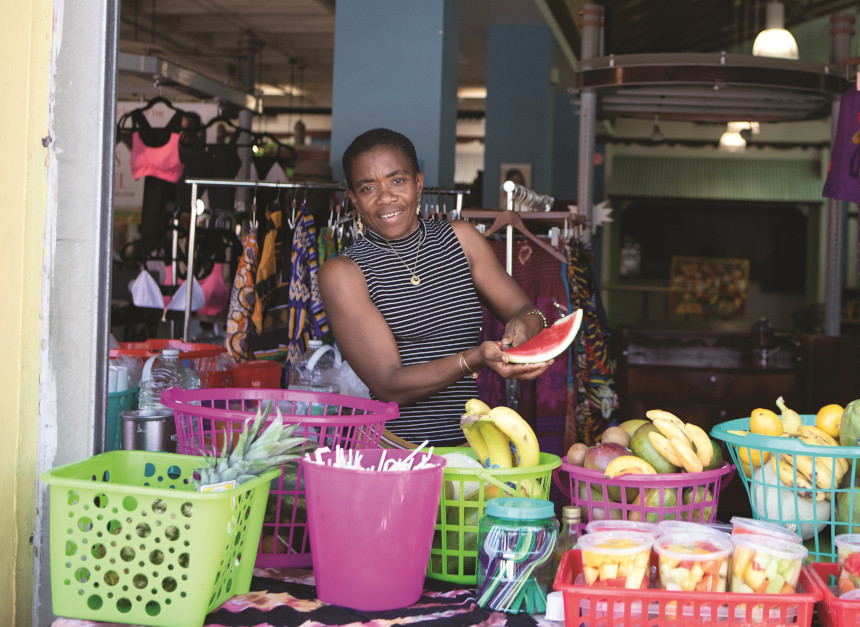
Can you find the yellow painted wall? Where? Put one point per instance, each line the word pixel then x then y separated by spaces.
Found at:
pixel 25 46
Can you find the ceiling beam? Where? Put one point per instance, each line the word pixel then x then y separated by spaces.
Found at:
pixel 558 17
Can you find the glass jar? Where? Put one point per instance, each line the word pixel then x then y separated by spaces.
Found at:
pixel 517 541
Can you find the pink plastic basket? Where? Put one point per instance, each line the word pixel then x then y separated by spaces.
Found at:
pixel 331 420
pixel 202 358
pixel 602 498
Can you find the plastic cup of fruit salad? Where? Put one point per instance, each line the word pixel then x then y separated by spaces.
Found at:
pixel 693 561
pixel 766 565
pixel 665 527
pixel 616 559
pixel 621 525
pixel 742 526
pixel 848 557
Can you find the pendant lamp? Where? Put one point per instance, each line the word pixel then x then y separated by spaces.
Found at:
pixel 774 40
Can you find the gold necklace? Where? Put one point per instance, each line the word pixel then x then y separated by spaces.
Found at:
pixel 414 280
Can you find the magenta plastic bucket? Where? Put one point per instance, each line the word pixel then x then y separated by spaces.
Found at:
pixel 371 531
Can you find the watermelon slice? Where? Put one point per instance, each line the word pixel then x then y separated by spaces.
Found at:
pixel 549 343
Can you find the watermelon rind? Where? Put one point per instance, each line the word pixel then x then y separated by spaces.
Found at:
pixel 549 343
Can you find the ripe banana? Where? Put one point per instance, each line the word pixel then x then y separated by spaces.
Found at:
pixel 469 424
pixel 813 435
pixel 477 407
pixel 701 442
pixel 685 453
pixel 651 414
pixel 790 419
pixel 523 441
pixel 661 444
pixel 498 447
pixel 628 465
pixel 670 429
pixel 792 476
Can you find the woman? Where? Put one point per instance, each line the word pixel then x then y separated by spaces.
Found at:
pixel 404 301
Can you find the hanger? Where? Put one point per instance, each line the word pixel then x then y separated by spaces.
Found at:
pixel 504 218
pixel 158 100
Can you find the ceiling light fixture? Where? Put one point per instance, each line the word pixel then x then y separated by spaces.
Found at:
pixel 774 40
pixel 736 136
pixel 656 133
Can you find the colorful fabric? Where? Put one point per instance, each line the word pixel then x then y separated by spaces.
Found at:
pixel 843 173
pixel 267 271
pixel 541 402
pixel 307 319
pixel 243 299
pixel 595 373
pixel 288 598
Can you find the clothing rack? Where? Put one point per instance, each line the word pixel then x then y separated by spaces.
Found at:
pixel 197 208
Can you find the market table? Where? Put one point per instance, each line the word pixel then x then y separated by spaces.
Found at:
pixel 286 597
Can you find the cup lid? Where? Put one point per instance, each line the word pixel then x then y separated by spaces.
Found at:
pixel 614 542
pixel 781 548
pixel 674 544
pixel 518 508
pixel 742 525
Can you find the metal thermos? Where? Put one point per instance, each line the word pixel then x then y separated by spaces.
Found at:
pixel 148 430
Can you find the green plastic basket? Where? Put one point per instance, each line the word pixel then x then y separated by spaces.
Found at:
pixel 809 512
pixel 132 541
pixel 465 492
pixel 118 402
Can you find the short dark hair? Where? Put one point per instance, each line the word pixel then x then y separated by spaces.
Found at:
pixel 374 139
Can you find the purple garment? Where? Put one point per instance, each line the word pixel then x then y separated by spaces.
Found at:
pixel 542 402
pixel 843 174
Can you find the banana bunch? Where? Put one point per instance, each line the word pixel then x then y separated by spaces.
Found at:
pixel 628 465
pixel 682 444
pixel 500 437
pixel 800 470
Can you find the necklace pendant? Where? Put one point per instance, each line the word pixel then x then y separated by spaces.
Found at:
pixel 415 280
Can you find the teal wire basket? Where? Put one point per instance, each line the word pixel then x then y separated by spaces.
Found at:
pixel 813 511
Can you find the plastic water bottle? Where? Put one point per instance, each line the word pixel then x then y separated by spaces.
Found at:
pixel 317 370
pixel 163 372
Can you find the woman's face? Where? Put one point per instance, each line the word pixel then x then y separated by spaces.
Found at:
pixel 386 191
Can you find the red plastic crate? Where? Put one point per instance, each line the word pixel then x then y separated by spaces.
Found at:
pixel 833 611
pixel 599 607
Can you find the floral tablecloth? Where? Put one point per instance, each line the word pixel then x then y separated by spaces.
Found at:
pixel 287 598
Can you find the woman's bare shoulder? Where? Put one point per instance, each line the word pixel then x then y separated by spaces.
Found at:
pixel 338 270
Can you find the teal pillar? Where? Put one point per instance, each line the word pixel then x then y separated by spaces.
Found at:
pixel 520 105
pixel 395 66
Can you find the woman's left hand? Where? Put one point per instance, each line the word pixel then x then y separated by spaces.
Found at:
pixel 521 328
pixel 494 358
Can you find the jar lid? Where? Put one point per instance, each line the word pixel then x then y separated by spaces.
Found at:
pixel 170 352
pixel 520 508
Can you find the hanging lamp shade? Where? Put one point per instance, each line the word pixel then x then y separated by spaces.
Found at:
pixel 774 40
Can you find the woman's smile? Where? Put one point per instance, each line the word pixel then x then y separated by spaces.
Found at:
pixel 386 192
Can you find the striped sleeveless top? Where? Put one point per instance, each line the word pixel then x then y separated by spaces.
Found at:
pixel 437 318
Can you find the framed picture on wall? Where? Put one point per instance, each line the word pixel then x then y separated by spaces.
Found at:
pixel 520 173
pixel 709 286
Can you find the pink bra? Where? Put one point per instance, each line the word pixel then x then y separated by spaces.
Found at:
pixel 151 155
pixel 162 162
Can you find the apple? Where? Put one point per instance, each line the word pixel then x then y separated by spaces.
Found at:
pixel 598 456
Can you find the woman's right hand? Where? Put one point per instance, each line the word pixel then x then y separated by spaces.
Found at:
pixel 494 358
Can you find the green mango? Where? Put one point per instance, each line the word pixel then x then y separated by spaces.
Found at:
pixel 847 518
pixel 849 427
pixel 471 517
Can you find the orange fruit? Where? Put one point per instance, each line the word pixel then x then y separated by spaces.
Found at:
pixel 750 459
pixel 765 422
pixel 829 418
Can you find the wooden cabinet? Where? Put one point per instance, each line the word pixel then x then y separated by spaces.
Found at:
pixel 706 378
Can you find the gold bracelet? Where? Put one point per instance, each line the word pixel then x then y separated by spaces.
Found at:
pixel 464 367
pixel 538 312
